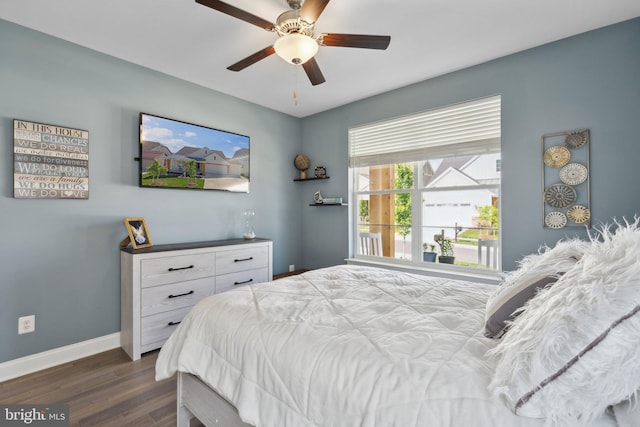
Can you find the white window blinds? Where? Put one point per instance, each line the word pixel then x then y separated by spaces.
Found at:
pixel 462 129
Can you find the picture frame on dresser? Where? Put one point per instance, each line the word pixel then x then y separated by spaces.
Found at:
pixel 138 233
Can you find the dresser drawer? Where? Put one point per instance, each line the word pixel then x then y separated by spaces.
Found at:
pixel 172 269
pixel 159 326
pixel 232 261
pixel 157 299
pixel 160 284
pixel 229 281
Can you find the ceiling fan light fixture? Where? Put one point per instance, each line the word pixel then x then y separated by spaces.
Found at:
pixel 296 48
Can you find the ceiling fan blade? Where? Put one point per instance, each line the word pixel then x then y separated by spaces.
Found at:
pixel 313 72
pixel 237 13
pixel 252 59
pixel 311 10
pixel 356 40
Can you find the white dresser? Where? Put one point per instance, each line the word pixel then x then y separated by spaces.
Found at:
pixel 160 284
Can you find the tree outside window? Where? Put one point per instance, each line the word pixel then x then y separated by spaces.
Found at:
pixel 403 220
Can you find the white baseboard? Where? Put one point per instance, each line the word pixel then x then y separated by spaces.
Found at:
pixel 39 361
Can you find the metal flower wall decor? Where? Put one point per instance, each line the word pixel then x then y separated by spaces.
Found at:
pixel 565 176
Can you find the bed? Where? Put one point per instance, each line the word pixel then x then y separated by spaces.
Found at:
pixel 342 346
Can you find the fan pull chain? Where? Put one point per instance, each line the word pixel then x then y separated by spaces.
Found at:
pixel 295 87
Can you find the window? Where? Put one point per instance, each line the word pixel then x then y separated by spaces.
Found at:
pixel 429 178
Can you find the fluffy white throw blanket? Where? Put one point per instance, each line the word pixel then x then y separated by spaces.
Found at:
pixel 575 350
pixel 627 414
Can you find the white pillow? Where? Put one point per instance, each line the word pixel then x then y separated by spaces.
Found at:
pixel 575 350
pixel 535 271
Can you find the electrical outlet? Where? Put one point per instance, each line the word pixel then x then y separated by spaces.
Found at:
pixel 26 324
pixel 292 267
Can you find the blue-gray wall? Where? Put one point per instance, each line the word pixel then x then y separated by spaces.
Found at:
pixel 59 259
pixel 587 81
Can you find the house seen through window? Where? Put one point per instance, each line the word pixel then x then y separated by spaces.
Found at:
pixel 430 183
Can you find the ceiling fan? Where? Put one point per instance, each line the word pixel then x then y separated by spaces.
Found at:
pixel 296 41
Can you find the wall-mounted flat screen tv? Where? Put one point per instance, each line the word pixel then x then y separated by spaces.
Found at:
pixel 176 154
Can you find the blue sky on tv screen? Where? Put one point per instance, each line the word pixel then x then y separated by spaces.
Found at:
pixel 175 135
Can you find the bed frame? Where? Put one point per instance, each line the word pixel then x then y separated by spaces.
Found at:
pixel 196 399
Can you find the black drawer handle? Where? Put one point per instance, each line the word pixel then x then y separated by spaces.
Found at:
pixel 174 323
pixel 182 295
pixel 180 268
pixel 242 283
pixel 244 259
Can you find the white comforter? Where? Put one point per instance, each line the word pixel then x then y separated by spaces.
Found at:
pixel 346 346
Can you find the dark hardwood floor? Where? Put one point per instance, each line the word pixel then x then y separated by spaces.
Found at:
pixel 107 389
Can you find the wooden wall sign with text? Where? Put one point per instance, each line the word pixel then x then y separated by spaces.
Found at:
pixel 50 162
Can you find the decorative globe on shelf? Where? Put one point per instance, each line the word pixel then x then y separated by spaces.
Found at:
pixel 302 163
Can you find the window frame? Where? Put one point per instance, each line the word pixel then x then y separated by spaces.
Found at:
pixel 477 147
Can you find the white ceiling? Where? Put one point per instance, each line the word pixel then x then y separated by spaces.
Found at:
pixel 428 38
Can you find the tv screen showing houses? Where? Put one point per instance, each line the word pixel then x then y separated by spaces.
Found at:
pixel 175 154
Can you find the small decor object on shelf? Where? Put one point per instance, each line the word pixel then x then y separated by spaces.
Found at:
pixel 302 163
pixel 248 227
pixel 317 198
pixel 321 172
pixel 578 214
pixel 332 200
pixel 138 234
pixel 557 156
pixel 573 174
pixel 555 219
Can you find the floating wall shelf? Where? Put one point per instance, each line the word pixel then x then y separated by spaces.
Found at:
pixel 310 179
